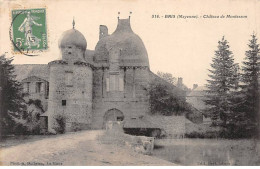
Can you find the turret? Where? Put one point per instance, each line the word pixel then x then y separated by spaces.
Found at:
pixel 70 84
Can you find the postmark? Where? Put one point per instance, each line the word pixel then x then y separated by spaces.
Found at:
pixel 28 31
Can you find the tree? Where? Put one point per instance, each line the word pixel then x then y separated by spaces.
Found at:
pixel 12 103
pixel 31 118
pixel 167 77
pixel 223 81
pixel 250 82
pixel 165 99
pixel 172 80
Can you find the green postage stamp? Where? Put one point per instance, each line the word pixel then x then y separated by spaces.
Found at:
pixel 29 31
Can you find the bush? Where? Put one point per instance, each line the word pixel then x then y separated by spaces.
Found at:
pixel 37 103
pixel 60 126
pixel 165 99
pixel 20 129
pixel 31 117
pixel 234 131
pixel 227 132
pixel 207 134
pixel 75 126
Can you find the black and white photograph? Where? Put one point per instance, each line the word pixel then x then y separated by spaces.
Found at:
pixel 130 83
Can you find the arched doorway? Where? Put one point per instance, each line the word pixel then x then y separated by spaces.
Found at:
pixel 113 115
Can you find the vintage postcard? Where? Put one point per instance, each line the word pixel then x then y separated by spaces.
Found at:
pixel 129 83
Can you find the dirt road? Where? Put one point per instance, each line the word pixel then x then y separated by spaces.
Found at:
pixel 80 148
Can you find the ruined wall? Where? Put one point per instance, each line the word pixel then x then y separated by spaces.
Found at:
pixel 70 94
pixel 34 91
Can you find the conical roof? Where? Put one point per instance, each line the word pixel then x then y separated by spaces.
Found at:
pixel 132 49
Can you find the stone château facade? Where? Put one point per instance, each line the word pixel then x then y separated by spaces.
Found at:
pixel 91 87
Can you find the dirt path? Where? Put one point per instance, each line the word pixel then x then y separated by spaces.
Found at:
pixel 79 148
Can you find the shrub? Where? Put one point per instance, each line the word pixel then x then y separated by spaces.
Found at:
pixel 165 99
pixel 37 103
pixel 75 127
pixel 20 129
pixel 60 126
pixel 206 134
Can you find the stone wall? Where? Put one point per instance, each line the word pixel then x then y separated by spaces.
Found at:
pixel 140 144
pixel 132 102
pixel 70 95
pixel 174 126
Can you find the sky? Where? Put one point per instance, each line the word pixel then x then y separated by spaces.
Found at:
pixel 182 47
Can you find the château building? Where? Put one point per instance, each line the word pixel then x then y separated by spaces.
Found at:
pixel 91 87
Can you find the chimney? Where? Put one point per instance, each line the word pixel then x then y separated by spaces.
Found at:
pixel 179 82
pixel 194 86
pixel 103 31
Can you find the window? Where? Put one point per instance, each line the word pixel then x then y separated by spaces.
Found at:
pixel 42 87
pixel 114 83
pixel 26 87
pixel 119 118
pixel 39 87
pixel 63 102
pixel 121 84
pixel 69 49
pixel 47 90
pixel 107 84
pixel 69 78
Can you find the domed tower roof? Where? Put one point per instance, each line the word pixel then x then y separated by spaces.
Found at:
pixel 132 49
pixel 73 37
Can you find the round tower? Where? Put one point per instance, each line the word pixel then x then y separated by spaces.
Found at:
pixel 70 98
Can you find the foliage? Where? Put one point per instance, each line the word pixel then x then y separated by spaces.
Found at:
pixel 250 75
pixel 207 134
pixel 249 100
pixel 167 77
pixel 12 103
pixel 222 84
pixel 75 127
pixel 60 126
pixel 245 107
pixel 193 114
pixel 32 116
pixel 37 103
pixel 165 99
pixel 233 97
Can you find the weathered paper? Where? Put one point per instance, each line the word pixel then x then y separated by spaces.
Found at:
pixel 180 38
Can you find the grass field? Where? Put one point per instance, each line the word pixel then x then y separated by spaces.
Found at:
pixel 208 151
